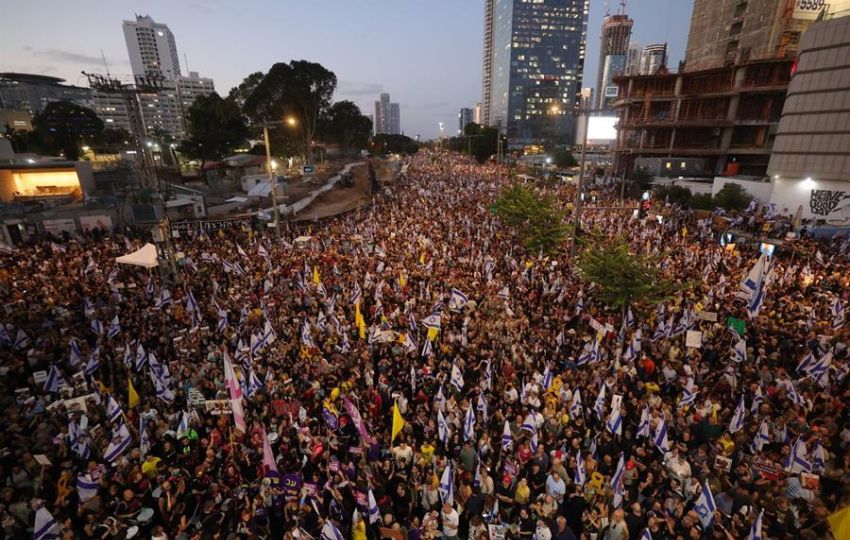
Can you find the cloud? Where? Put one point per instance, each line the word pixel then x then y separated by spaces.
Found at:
pixel 78 58
pixel 358 88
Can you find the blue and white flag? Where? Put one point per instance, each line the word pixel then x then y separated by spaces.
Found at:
pixel 446 487
pixel 330 531
pixel 762 437
pixel 590 354
pixel 487 379
pixel 458 300
pixel 533 443
pixel 739 350
pixel 254 384
pixel 643 430
pixel 443 430
pixel 432 321
pixel 54 380
pixel 755 530
pixel 507 437
pixel 162 391
pixel 547 377
pixel 457 378
pixel 97 327
pixel 575 405
pixel 579 304
pixel 737 422
pixel 114 327
pixel 617 482
pixel 615 420
pixel 630 353
pixel 164 298
pixel 819 370
pixel 529 424
pixel 439 399
pixel 482 408
pixel 705 506
pixel 144 437
pixel 504 294
pixel 306 336
pixel 94 362
pixel 45 527
pixel 755 285
pixel 599 404
pixel 688 398
pixel 645 535
pixel 374 511
pixel 86 487
pixel 660 437
pixel 22 340
pixel 661 330
pixel 838 318
pixel 469 424
pixel 113 410
pixel 222 321
pixel 795 396
pixel 580 476
pixel 141 356
pixel 798 460
pixel 758 399
pixel 120 442
pixel 818 458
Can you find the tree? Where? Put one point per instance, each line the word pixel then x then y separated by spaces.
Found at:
pixel 344 125
pixel 385 143
pixel 564 159
pixel 623 278
pixel 239 94
pixel 300 90
pixel 732 197
pixel 215 128
pixel 62 127
pixel 539 221
pixel 483 141
pixel 702 201
pixel 674 194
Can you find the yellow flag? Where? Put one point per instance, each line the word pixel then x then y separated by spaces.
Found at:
pixel 398 422
pixel 316 279
pixel 132 395
pixel 402 280
pixel 684 232
pixel 839 522
pixel 422 257
pixel 359 322
pixel 432 334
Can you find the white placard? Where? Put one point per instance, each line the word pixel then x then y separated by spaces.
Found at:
pixel 693 339
pixel 808 10
pixel 39 376
pixel 710 316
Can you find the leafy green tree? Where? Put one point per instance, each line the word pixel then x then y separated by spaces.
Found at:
pixel 300 90
pixel 674 194
pixel 732 197
pixel 702 201
pixel 385 143
pixel 538 219
pixel 484 141
pixel 623 278
pixel 63 127
pixel 239 94
pixel 215 128
pixel 564 159
pixel 346 126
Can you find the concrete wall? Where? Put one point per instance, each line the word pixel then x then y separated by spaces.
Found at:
pixel 761 191
pixel 821 199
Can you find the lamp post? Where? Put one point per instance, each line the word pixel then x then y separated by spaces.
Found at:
pixel 586 113
pixel 291 122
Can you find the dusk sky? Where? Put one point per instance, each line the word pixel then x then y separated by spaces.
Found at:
pixel 426 54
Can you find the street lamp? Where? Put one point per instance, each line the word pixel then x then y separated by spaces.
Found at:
pixel 271 165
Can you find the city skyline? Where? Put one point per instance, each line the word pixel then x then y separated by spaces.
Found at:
pixel 432 81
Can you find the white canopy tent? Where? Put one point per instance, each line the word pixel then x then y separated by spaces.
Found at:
pixel 144 257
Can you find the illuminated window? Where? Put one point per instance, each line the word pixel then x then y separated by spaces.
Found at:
pixel 668 166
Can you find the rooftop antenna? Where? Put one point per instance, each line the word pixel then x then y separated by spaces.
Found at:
pixel 623 7
pixel 607 9
pixel 106 67
pixel 186 61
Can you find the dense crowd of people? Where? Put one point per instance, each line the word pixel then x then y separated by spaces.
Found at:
pixel 410 370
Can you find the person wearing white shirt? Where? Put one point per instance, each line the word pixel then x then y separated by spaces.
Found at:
pixel 451 522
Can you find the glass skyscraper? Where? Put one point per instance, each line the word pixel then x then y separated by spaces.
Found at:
pixel 533 62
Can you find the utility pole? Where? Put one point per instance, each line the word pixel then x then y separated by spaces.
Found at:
pixel 272 181
pixel 586 113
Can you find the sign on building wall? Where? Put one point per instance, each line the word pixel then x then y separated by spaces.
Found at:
pixel 99 221
pixel 57 226
pixel 808 9
pixel 829 201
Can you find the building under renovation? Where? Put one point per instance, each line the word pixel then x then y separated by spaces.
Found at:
pixel 725 105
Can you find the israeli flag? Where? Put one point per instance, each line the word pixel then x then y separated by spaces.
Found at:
pixel 114 328
pixel 183 426
pixel 482 407
pixel 795 396
pixel 599 405
pixel 533 444
pixel 590 353
pixel 615 421
pixel 645 535
pixel 119 443
pixel 580 474
pixel 141 356
pixel 22 340
pixel 739 351
pixel 661 330
pixel 755 530
pixel 755 285
pixel 457 378
pixel 688 398
pixel 144 437
pixel 86 487
pixel 758 399
pixel 161 388
pixel 374 511
pixel 306 337
pixel 446 487
pixel 617 482
pixel 97 327
pixel 45 527
pixel 762 437
pixel 439 399
pixel 505 293
pixel 529 424
pixel 330 532
pixel 487 380
pixel 575 405
pixel 837 314
pixel 164 298
pixel 643 426
pixel 737 422
pixel 443 430
pixel 704 506
pixel 579 305
pixel 54 380
pixel 818 458
pixel 507 437
pixel 547 377
pixel 458 300
pixel 113 410
pixel 631 352
pixel 660 437
pixel 94 362
pixel 432 321
pixel 798 461
pixel 254 384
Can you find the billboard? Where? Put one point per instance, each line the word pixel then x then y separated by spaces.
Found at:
pixel 600 130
